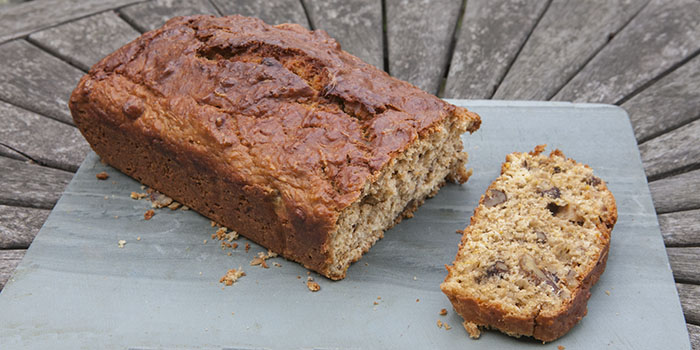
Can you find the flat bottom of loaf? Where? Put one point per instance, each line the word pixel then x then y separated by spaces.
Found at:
pixel 402 186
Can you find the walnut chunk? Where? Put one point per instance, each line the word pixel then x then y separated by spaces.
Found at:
pixel 593 181
pixel 313 286
pixel 443 312
pixel 541 237
pixel 529 266
pixel 149 214
pixel 494 198
pixel 553 192
pixel 497 268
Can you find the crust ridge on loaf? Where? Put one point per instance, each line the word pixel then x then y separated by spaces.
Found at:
pixel 536 244
pixel 274 131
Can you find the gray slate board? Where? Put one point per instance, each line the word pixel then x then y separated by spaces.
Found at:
pixel 150 294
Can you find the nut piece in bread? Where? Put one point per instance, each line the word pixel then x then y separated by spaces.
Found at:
pixel 537 242
pixel 273 131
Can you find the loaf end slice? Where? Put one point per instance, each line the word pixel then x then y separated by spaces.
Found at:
pixel 273 131
pixel 537 242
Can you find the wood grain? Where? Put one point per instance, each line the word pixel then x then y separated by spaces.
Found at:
pixel 684 263
pixel 676 193
pixel 567 36
pixel 271 12
pixel 9 259
pixel 43 140
pixel 419 35
pixel 31 185
pixel 153 14
pixel 35 80
pixel 357 25
pixel 663 34
pixel 491 35
pixel 694 332
pixel 84 42
pixel 680 228
pixel 690 301
pixel 19 226
pixel 668 103
pixel 19 20
pixel 671 152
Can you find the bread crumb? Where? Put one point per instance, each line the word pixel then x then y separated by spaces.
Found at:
pixel 247 247
pixel 439 324
pixel 607 292
pixel 415 278
pixel 138 238
pixel 102 176
pixel 204 241
pixel 379 298
pixel 443 312
pixel 276 264
pixel 417 300
pixel 472 329
pixel 561 347
pixel 137 196
pixel 313 286
pixel 143 187
pixel 212 223
pixel 184 207
pixel 149 214
pixel 106 197
pixel 159 200
pixel 174 205
pixel 447 327
pixel 232 276
pixel 121 243
pixel 376 303
pixel 298 277
pixel 229 254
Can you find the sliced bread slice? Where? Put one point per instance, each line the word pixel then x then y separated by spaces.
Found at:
pixel 537 242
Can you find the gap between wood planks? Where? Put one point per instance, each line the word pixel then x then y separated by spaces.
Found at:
pixel 596 52
pixel 451 49
pixel 517 53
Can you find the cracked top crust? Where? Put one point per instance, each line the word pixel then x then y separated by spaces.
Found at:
pixel 283 106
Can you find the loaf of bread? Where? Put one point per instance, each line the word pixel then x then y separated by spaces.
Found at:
pixel 537 242
pixel 273 131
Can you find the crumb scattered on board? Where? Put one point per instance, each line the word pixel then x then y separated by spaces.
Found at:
pixel 102 176
pixel 149 214
pixel 439 324
pixel 561 347
pixel 232 276
pixel 247 247
pixel 607 292
pixel 443 312
pixel 313 286
pixel 472 329
pixel 260 259
pixel 137 196
pixel 121 243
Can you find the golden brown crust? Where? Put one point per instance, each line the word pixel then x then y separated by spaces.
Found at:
pixel 273 130
pixel 543 326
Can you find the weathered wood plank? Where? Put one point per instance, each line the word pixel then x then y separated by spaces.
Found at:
pixel 663 34
pixel 357 25
pixel 19 226
pixel 673 151
pixel 694 332
pixel 10 153
pixel 9 259
pixel 153 14
pixel 271 12
pixel 35 80
pixel 44 140
pixel 84 42
pixel 22 19
pixel 680 228
pixel 30 185
pixel 684 263
pixel 676 193
pixel 567 36
pixel 419 35
pixel 690 301
pixel 668 103
pixel 491 34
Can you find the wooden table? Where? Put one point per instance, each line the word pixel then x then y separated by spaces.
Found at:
pixel 641 55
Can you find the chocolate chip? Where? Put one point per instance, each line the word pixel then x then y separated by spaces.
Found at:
pixel 557 170
pixel 494 198
pixel 553 192
pixel 525 164
pixel 498 268
pixel 219 121
pixel 541 237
